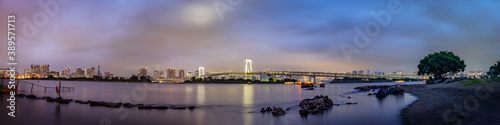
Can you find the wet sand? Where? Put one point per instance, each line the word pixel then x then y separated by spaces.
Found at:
pixel 452 103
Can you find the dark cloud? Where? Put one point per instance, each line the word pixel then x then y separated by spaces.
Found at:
pixel 122 36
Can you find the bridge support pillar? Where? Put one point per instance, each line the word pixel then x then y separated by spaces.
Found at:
pixel 312 79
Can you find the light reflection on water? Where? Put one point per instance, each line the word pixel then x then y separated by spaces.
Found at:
pixel 216 104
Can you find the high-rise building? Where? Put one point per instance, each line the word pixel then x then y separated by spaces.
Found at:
pixel 170 73
pixel 79 72
pixel 190 74
pixel 108 75
pixel 143 72
pixel 27 73
pixel 67 72
pixel 156 74
pixel 162 74
pixel 36 70
pixel 181 73
pixel 201 71
pixel 354 72
pixel 361 72
pixel 45 69
pixel 86 73
pixel 92 72
pixel 99 70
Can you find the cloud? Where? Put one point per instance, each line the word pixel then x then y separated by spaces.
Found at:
pixel 122 36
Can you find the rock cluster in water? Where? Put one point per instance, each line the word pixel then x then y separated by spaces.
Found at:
pixel 106 104
pixel 275 110
pixel 383 91
pixel 315 105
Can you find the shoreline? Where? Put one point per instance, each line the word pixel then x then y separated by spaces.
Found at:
pixel 435 104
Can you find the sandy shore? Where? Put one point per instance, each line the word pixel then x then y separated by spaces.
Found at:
pixel 452 103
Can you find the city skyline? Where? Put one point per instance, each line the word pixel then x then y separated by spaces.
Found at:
pixel 296 35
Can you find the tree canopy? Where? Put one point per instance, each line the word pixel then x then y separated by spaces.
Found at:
pixel 440 64
pixel 495 69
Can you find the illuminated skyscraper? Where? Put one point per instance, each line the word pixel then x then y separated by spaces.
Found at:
pixel 143 72
pixel 36 70
pixel 92 72
pixel 201 71
pixel 68 72
pixel 45 69
pixel 162 74
pixel 86 73
pixel 181 73
pixel 190 74
pixel 156 74
pixel 170 73
pixel 79 72
pixel 27 73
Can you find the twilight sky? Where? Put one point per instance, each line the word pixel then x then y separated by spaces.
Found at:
pixel 124 35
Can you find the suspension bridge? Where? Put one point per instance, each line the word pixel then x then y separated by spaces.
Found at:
pixel 248 71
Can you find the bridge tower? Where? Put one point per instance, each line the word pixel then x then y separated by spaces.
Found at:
pixel 248 68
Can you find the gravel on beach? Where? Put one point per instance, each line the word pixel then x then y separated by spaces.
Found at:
pixel 453 103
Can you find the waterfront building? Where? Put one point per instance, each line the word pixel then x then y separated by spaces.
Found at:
pixel 67 73
pixel 181 73
pixel 92 72
pixel 170 73
pixel 53 74
pixel 45 69
pixel 27 73
pixel 79 72
pixel 162 74
pixel 143 72
pixel 108 74
pixel 156 74
pixel 201 71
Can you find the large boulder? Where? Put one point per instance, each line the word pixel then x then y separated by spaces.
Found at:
pixel 321 85
pixel 315 105
pixel 278 111
pixel 381 93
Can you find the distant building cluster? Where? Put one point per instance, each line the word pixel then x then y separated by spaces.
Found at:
pixel 362 72
pixel 43 71
pixel 157 74
pixel 39 71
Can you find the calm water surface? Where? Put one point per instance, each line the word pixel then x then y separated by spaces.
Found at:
pixel 217 104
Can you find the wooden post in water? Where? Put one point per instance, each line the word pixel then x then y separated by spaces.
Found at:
pixel 17 86
pixel 60 89
pixel 32 88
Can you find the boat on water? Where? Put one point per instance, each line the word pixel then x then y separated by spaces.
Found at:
pixel 307 85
